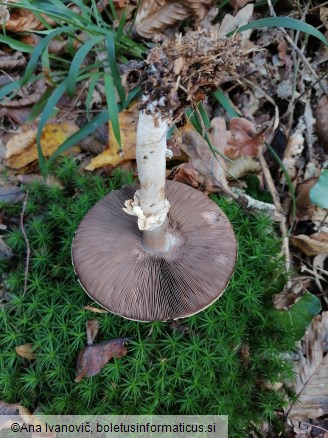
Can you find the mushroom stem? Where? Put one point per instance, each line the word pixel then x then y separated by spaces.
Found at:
pixel 151 163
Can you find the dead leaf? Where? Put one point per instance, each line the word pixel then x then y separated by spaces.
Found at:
pixel 112 156
pixel 5 252
pixel 92 327
pixel 91 360
pixel 13 409
pixel 237 4
pixel 11 194
pixel 26 351
pixel 312 373
pixel 241 166
pixel 293 151
pixel 21 20
pixel 314 244
pixel 242 139
pixel 230 24
pixel 11 61
pixel 95 310
pixel 162 16
pixel 22 150
pixel 210 168
pixel 321 115
pixel 186 174
pixel 304 206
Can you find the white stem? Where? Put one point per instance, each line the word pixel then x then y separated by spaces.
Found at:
pixel 151 162
pixel 149 203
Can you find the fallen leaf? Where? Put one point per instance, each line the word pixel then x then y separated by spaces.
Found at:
pixel 11 194
pixel 11 61
pixel 242 139
pixel 237 4
pixel 95 310
pixel 210 168
pixel 304 207
pixel 186 174
pixel 26 351
pixel 13 409
pixel 92 328
pixel 5 252
pixel 91 360
pixel 314 244
pixel 293 151
pixel 162 16
pixel 21 20
pixel 312 373
pixel 112 156
pixel 22 150
pixel 321 115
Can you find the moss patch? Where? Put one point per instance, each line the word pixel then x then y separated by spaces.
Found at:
pixel 216 362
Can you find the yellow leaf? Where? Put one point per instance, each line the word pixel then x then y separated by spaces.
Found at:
pixel 25 351
pixel 113 156
pixel 22 150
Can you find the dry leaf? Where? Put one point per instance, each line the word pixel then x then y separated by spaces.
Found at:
pixel 11 194
pixel 312 373
pixel 5 252
pixel 26 351
pixel 14 60
pixel 13 409
pixel 321 115
pixel 92 327
pixel 22 150
pixel 242 166
pixel 237 4
pixel 210 168
pixel 21 20
pixel 304 207
pixel 242 139
pixel 293 151
pixel 91 360
pixel 314 244
pixel 186 174
pixel 161 15
pixel 230 23
pixel 95 310
pixel 112 156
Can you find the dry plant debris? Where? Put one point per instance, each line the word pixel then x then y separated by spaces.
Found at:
pixel 312 373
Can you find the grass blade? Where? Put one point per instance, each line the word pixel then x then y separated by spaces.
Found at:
pixel 113 66
pixel 87 129
pixel 92 86
pixel 77 61
pixel 223 99
pixel 286 22
pixel 16 45
pixel 38 51
pixel 112 107
pixel 48 109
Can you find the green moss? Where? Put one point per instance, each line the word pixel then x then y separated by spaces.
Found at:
pixel 216 362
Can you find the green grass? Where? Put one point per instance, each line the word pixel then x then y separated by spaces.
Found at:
pixel 202 369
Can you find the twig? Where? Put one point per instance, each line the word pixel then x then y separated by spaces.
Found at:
pixel 282 221
pixel 28 249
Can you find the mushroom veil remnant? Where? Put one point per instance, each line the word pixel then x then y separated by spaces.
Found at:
pixel 161 250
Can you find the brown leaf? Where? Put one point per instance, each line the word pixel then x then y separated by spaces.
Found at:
pixel 92 327
pixel 91 360
pixel 14 60
pixel 312 373
pixel 237 4
pixel 13 409
pixel 321 115
pixel 186 174
pixel 162 15
pixel 242 139
pixel 304 206
pixel 311 245
pixel 21 20
pixel 211 169
pixel 26 351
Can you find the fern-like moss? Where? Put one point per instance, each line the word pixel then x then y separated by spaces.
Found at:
pixel 215 362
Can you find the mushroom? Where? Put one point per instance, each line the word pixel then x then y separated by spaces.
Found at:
pixel 162 250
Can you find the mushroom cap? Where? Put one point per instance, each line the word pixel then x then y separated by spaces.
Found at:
pixel 116 271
